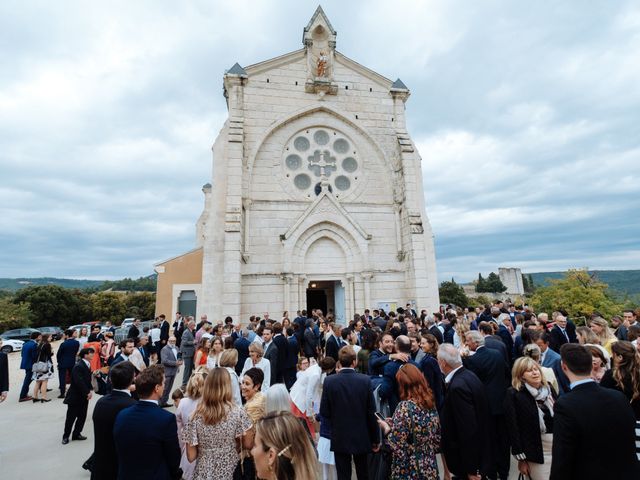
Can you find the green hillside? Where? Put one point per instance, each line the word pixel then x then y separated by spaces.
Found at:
pixel 142 284
pixel 620 281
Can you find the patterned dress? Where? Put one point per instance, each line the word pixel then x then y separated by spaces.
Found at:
pixel 217 456
pixel 414 456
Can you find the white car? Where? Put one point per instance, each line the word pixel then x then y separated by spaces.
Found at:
pixel 9 346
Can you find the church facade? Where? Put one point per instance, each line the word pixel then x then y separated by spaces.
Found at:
pixel 316 199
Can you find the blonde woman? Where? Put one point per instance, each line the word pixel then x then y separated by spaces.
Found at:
pixel 185 409
pixel 256 360
pixel 282 449
pixel 529 416
pixel 600 327
pixel 213 359
pixel 228 361
pixel 532 350
pixel 215 426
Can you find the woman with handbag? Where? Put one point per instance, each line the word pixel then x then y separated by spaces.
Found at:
pixel 529 416
pixel 42 370
pixel 414 431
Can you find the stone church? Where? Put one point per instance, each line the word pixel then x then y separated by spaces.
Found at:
pixel 316 199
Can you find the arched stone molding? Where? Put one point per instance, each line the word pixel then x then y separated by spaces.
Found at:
pixel 296 247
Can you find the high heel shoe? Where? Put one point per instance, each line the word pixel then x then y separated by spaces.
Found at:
pixel 45 400
pixel 36 400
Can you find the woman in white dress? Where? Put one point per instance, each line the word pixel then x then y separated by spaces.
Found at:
pixel 83 336
pixel 213 360
pixel 256 360
pixel 228 361
pixel 185 409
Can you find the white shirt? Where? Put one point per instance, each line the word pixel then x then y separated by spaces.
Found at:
pixel 448 378
pixel 86 362
pixel 149 400
pixel 213 361
pixel 122 391
pixel 307 391
pixel 154 333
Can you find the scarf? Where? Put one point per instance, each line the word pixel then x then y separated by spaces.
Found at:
pixel 544 403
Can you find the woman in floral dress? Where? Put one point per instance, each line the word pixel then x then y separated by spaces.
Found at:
pixel 414 431
pixel 210 436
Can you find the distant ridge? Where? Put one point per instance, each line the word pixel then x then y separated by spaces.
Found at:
pixel 15 284
pixel 620 281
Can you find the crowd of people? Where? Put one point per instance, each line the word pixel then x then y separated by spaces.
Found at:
pixel 383 396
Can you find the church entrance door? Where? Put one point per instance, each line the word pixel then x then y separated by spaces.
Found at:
pixel 328 296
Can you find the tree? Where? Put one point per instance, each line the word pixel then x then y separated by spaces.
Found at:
pixel 13 315
pixel 451 292
pixel 481 284
pixel 141 304
pixel 108 306
pixel 527 283
pixel 579 293
pixel 52 305
pixel 494 284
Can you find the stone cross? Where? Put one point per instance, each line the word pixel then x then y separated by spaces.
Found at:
pixel 322 163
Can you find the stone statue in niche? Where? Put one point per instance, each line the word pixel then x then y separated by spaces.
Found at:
pixel 321 65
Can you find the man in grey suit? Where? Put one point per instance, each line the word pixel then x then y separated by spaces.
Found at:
pixel 188 350
pixel 171 363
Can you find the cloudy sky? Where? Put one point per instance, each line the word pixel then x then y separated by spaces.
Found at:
pixel 526 114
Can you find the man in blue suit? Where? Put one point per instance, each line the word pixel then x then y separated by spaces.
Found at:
pixel 29 352
pixel 66 357
pixel 291 361
pixel 242 346
pixel 551 359
pixel 389 387
pixel 143 452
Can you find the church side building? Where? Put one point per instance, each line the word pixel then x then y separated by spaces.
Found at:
pixel 316 199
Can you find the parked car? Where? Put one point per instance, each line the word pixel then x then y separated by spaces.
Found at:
pixel 55 332
pixel 122 332
pixel 127 322
pixel 18 334
pixel 9 345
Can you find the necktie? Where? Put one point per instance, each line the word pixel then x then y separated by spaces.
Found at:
pixel 564 332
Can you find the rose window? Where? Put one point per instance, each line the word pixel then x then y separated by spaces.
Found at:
pixel 321 153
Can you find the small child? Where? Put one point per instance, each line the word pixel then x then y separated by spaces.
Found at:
pixel 176 396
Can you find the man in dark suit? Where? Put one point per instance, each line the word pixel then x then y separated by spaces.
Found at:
pixel 66 357
pixel 434 330
pixel 347 402
pixel 178 328
pixel 334 342
pixel 164 331
pixel 493 341
pixel 310 340
pixel 504 332
pixel 283 346
pixel 301 321
pixel 29 352
pixel 291 362
pixel 144 452
pixel 134 330
pixel 126 349
pixel 270 352
pixel 242 346
pixel 78 396
pixel 561 333
pixel 105 460
pixel 389 387
pixel 143 348
pixel 495 374
pixel 4 375
pixel 586 413
pixel 464 418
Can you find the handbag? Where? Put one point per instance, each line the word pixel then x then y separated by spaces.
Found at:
pixel 522 476
pixel 379 463
pixel 40 367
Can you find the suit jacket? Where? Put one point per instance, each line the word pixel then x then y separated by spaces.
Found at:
pixel 389 387
pixel 283 347
pixel 418 356
pixel 67 352
pixel 146 439
pixel 271 354
pixel 169 361
pixel 435 331
pixel 242 346
pixel 558 338
pixel 104 451
pixel 164 331
pixel 495 343
pixel 310 343
pixel 506 337
pixel 292 353
pixel 347 401
pixel 380 322
pixel 332 348
pixel 552 360
pixel 134 332
pixel 523 425
pixel 80 384
pixel 4 372
pixel 591 412
pixel 188 344
pixel 377 360
pixel 494 373
pixel 465 425
pixel 29 352
pixel 432 373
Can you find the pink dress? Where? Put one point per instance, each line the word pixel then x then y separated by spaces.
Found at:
pixel 183 414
